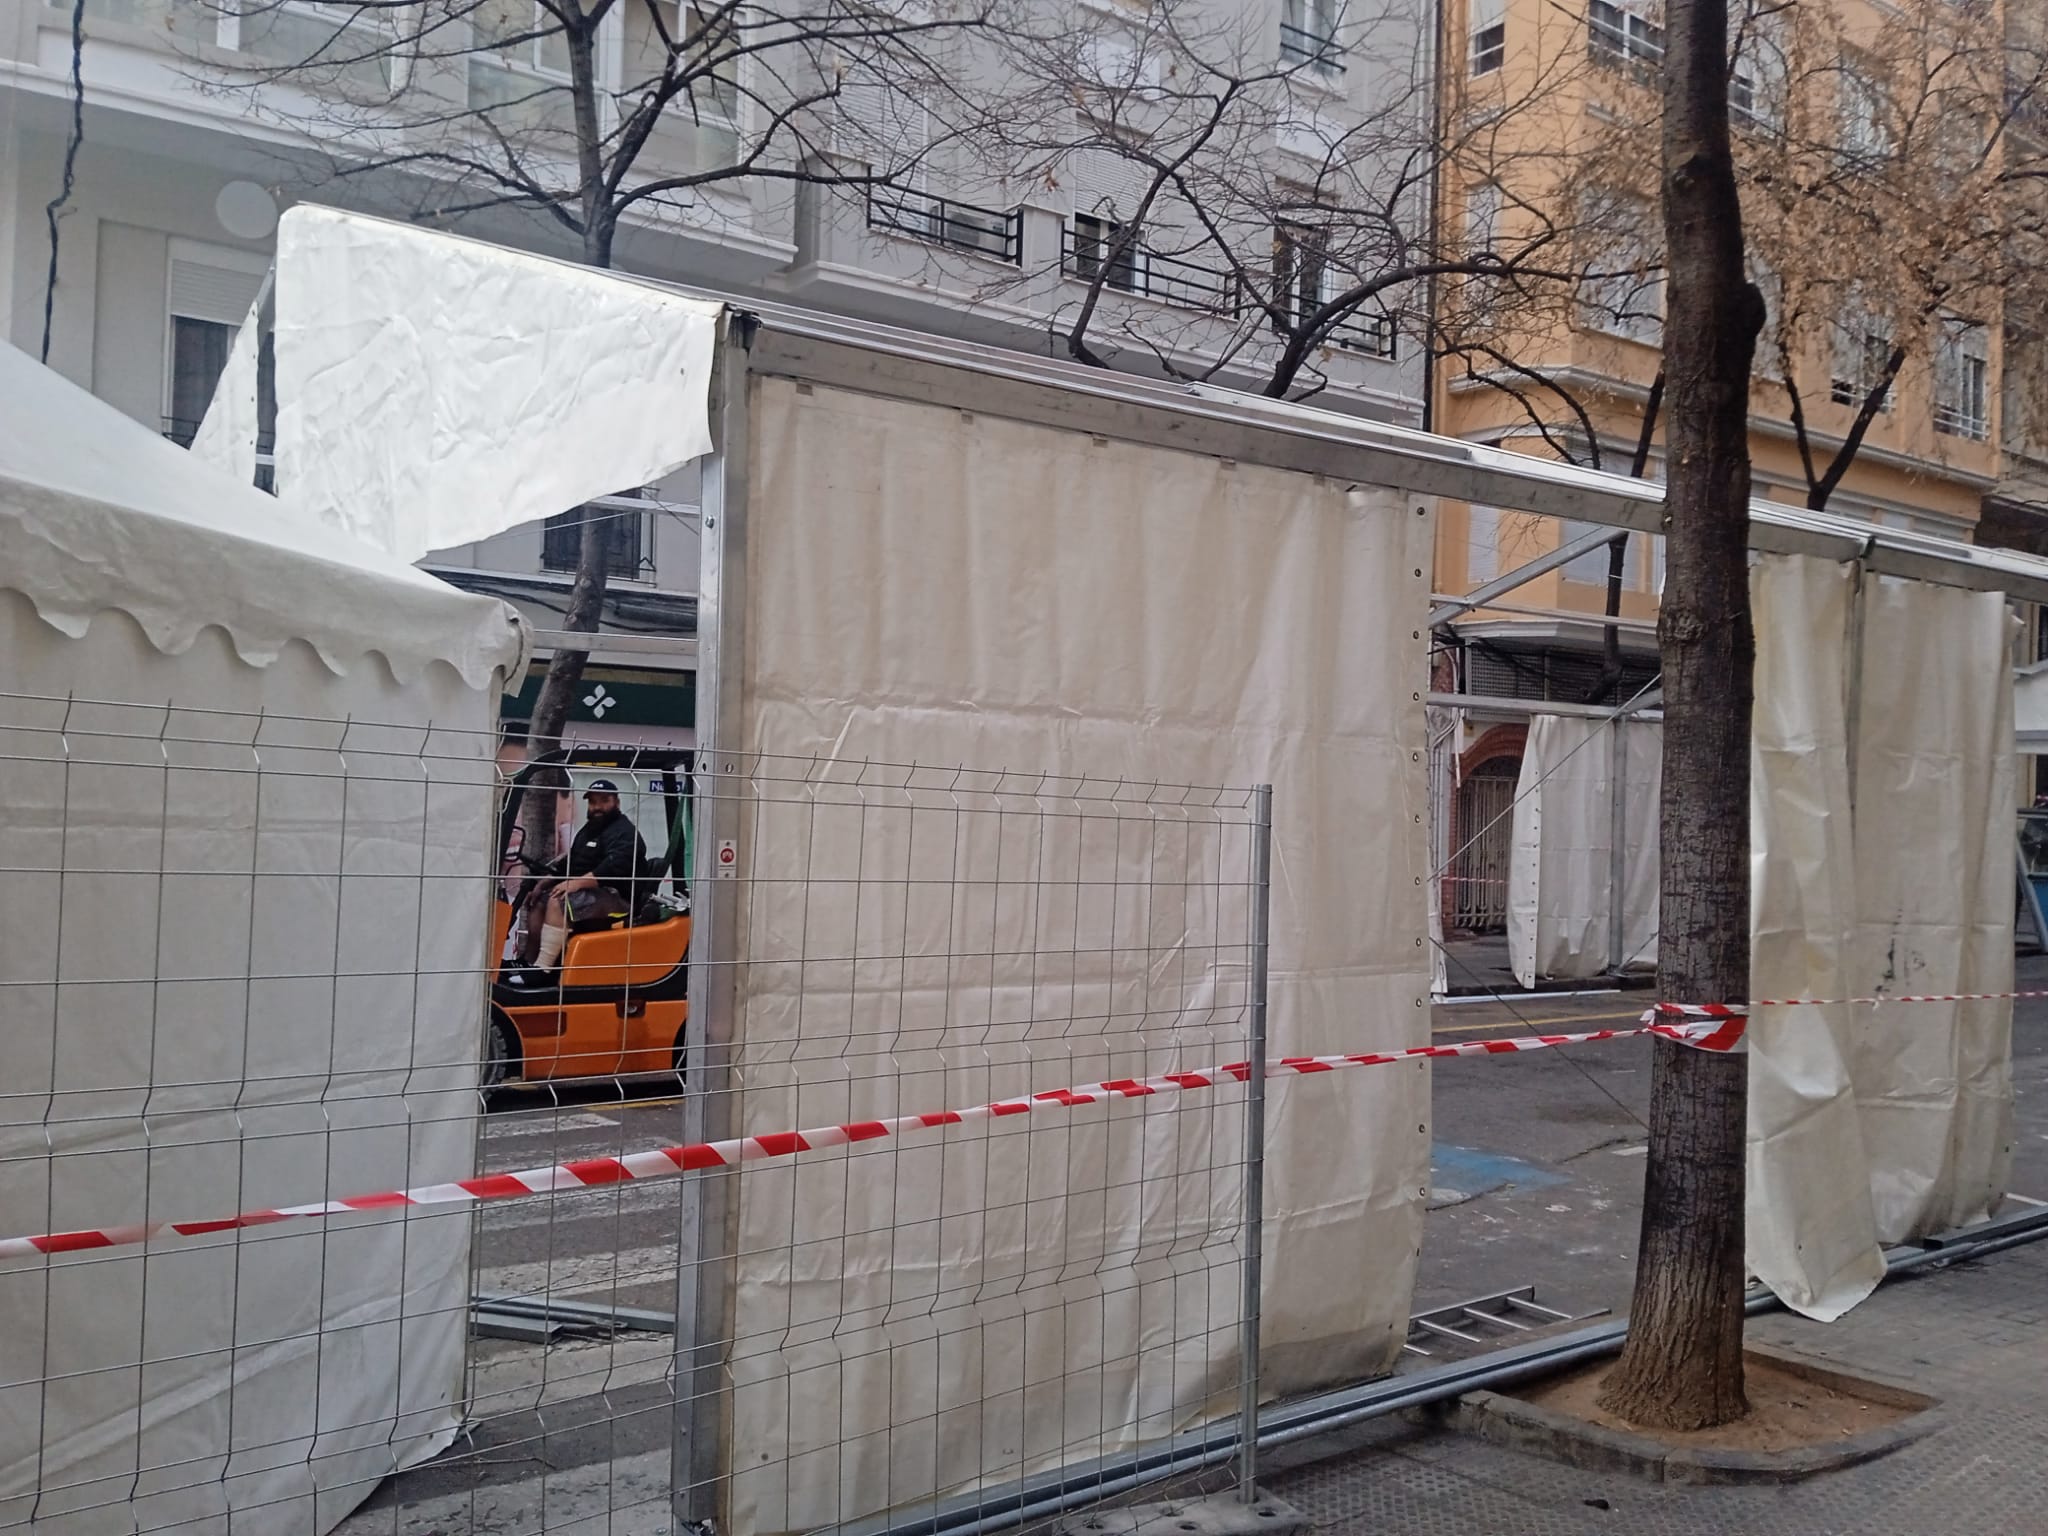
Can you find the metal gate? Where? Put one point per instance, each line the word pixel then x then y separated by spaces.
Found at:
pixel 1483 840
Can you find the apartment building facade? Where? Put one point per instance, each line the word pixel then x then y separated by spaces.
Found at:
pixel 169 215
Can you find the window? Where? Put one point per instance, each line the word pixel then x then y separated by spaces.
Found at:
pixel 1589 569
pixel 1625 32
pixel 1756 75
pixel 1301 275
pixel 1489 48
pixel 1770 344
pixel 199 351
pixel 1623 291
pixel 1482 218
pixel 1866 121
pixel 522 66
pixel 882 127
pixel 1482 545
pixel 1093 240
pixel 1741 94
pixel 1862 353
pixel 1308 35
pixel 562 539
pixel 211 291
pixel 1959 147
pixel 1489 36
pixel 1305 279
pixel 1962 380
pixel 523 34
pixel 343 45
pixel 712 45
pixel 1482 232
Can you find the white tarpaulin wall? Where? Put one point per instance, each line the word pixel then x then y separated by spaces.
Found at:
pixel 928 586
pixel 432 391
pixel 239 967
pixel 1876 1125
pixel 1561 878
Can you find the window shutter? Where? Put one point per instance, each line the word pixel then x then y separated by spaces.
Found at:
pixel 883 127
pixel 1108 185
pixel 201 291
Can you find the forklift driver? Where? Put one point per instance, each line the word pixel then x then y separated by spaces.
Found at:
pixel 592 886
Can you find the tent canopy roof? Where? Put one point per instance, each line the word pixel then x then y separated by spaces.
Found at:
pixel 97 512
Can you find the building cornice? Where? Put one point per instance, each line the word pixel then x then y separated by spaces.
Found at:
pixel 1593 381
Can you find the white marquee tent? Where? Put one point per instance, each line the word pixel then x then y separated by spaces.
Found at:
pixel 247 767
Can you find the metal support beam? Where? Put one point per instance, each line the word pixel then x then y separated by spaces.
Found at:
pixel 1562 615
pixel 1649 702
pixel 1617 853
pixel 674 647
pixel 1522 575
pixel 707 1213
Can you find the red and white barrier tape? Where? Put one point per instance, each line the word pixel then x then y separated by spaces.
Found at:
pixel 673 1162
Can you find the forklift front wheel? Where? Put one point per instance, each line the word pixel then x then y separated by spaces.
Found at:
pixel 501 1051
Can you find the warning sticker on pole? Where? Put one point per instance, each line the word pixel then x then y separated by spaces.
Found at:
pixel 728 858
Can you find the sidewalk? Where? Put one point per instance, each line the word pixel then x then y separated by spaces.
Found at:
pixel 1974 1336
pixel 1538 1181
pixel 1477 964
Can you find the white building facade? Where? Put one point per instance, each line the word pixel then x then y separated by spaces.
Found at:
pixel 166 229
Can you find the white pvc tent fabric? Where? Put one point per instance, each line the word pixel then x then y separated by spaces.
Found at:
pixel 1882 865
pixel 1561 872
pixel 97 513
pixel 433 391
pixel 239 967
pixel 928 586
pixel 227 437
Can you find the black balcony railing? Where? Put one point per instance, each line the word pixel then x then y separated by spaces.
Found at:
pixel 957 226
pixel 1372 333
pixel 1298 45
pixel 1133 269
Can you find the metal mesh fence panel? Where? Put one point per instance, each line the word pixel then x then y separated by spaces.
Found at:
pixel 326 1211
pixel 1027 1253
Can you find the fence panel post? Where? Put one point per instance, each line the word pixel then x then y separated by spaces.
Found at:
pixel 1255 1143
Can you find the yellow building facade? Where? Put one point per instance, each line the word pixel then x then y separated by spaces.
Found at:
pixel 1553 109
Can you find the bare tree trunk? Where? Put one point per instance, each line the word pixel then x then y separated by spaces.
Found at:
pixel 565 676
pixel 594 550
pixel 1682 1365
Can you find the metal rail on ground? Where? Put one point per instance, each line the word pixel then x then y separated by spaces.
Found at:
pixel 1327 1412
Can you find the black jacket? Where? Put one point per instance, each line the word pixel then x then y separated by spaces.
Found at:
pixel 609 848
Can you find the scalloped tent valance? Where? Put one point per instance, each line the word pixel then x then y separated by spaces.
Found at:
pixel 97 512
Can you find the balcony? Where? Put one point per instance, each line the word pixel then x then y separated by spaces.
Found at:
pixel 956 226
pixel 1301 45
pixel 1372 333
pixel 1088 245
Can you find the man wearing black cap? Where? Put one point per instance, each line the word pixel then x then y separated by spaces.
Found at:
pixel 597 875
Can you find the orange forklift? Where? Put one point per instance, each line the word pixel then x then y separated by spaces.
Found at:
pixel 618 1005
